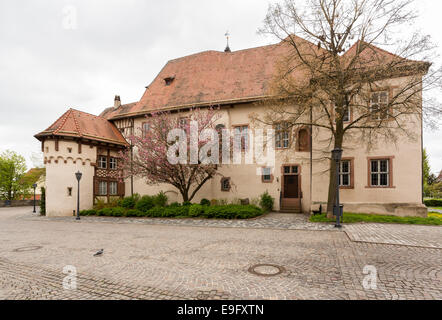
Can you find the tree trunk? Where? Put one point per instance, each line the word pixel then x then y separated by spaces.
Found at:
pixel 333 181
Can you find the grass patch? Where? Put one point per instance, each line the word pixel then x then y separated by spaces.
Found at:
pixel 433 219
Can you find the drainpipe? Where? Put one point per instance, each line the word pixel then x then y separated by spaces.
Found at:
pixel 311 156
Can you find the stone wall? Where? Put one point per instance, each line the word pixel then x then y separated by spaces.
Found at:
pixel 18 203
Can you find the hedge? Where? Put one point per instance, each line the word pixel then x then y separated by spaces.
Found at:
pixel 195 210
pixel 433 203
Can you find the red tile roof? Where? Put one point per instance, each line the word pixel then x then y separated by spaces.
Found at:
pixel 80 124
pixel 214 77
pixel 210 78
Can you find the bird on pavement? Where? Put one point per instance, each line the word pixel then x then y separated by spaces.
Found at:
pixel 99 253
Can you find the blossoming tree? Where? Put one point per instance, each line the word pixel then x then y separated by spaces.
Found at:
pixel 172 149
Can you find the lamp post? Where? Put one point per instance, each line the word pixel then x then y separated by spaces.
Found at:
pixel 34 186
pixel 78 176
pixel 337 156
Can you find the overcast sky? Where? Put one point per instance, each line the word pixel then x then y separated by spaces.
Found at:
pixel 49 62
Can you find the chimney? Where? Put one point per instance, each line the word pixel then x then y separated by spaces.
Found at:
pixel 117 102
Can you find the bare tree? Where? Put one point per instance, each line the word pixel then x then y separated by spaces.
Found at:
pixel 335 65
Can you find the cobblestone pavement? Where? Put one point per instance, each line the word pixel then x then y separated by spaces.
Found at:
pixel 407 235
pixel 269 221
pixel 145 261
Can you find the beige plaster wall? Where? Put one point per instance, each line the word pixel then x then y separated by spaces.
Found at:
pixel 61 167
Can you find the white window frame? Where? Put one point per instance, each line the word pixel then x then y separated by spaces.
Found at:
pixel 102 188
pixel 379 173
pixel 243 132
pixel 343 173
pixel 344 119
pixel 264 174
pixel 282 136
pixel 113 163
pixel 102 162
pixel 113 188
pixel 378 108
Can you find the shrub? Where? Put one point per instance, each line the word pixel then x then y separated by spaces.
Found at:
pixel 187 203
pixel 182 211
pixel 118 212
pixel 433 203
pixel 43 201
pixel 133 213
pixel 155 212
pixel 174 204
pixel 145 204
pixel 160 200
pixel 232 212
pixel 266 202
pixel 213 202
pixel 196 210
pixel 205 202
pixel 88 212
pixel 130 202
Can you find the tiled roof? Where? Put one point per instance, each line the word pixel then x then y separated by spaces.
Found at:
pixel 80 124
pixel 214 77
pixel 210 78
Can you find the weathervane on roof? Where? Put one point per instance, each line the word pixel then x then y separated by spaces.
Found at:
pixel 227 49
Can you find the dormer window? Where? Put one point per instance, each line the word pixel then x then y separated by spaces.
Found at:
pixel 168 81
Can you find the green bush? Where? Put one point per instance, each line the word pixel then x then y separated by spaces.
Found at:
pixel 196 210
pixel 266 202
pixel 205 202
pixel 174 204
pixel 88 213
pixel 133 213
pixel 156 212
pixel 232 212
pixel 145 203
pixel 130 202
pixel 118 212
pixel 43 202
pixel 433 203
pixel 160 200
pixel 187 203
pixel 171 212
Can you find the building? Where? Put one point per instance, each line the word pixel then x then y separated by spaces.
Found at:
pixel 384 180
pixel 34 176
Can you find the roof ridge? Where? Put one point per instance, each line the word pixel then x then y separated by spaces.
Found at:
pixel 63 121
pixel 77 125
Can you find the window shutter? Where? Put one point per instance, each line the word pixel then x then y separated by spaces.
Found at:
pixel 121 187
pixel 96 186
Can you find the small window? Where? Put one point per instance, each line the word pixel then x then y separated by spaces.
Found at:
pixel 70 192
pixel 168 81
pixel 242 132
pixel 267 174
pixel 145 129
pixel 113 163
pixel 347 116
pixel 113 188
pixel 70 150
pixel 225 184
pixel 182 122
pixel 282 135
pixel 102 162
pixel 102 188
pixel 47 149
pixel 378 105
pixel 345 173
pixel 287 170
pixel 380 173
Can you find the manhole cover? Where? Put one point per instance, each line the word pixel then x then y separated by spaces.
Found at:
pixel 266 270
pixel 24 249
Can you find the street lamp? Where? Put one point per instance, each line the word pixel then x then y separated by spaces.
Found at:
pixel 34 186
pixel 78 176
pixel 337 209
